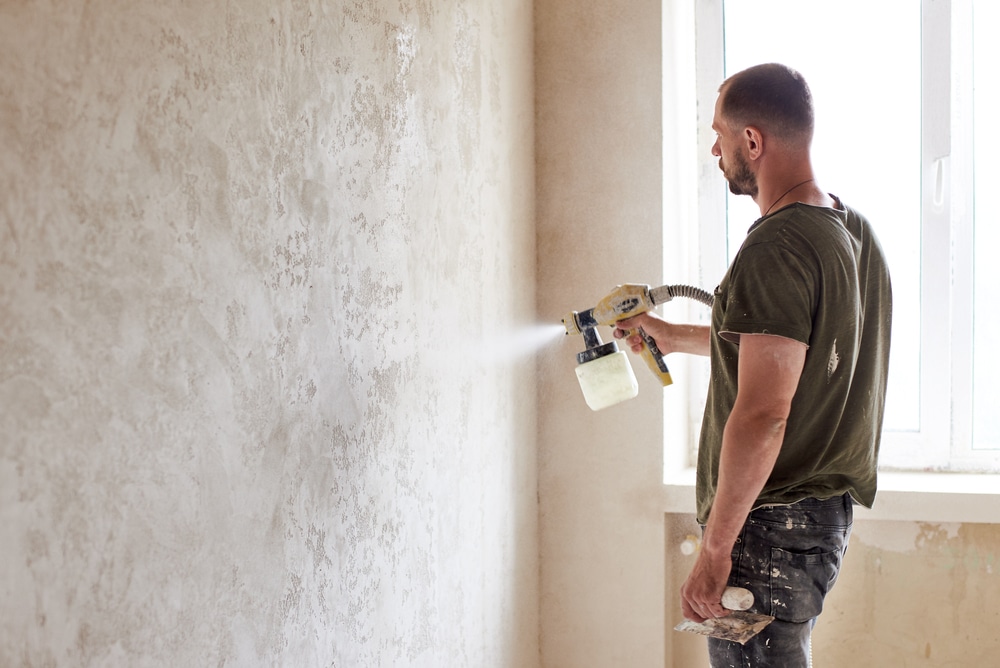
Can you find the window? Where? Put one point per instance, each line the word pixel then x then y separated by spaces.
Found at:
pixel 903 92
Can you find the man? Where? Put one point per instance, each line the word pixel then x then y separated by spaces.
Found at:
pixel 799 347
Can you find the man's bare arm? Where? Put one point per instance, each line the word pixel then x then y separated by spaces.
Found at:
pixel 769 371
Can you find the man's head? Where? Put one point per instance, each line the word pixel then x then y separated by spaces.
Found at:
pixel 771 102
pixel 772 97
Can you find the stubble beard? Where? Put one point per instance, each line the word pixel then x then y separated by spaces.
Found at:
pixel 741 180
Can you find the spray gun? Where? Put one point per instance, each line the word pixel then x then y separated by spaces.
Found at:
pixel 604 372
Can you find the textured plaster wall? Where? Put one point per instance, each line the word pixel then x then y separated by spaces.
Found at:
pixel 916 594
pixel 260 263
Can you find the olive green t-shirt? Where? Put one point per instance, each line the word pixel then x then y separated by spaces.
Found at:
pixel 816 275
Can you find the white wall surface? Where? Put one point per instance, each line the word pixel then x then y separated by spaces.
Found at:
pixel 599 162
pixel 259 265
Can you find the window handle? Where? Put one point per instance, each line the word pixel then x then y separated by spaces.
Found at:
pixel 939 181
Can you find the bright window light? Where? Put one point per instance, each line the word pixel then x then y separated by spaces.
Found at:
pixel 906 93
pixel 866 149
pixel 986 96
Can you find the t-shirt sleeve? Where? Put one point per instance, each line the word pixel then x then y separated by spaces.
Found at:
pixel 771 291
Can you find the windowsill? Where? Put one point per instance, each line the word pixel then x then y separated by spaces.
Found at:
pixel 912 497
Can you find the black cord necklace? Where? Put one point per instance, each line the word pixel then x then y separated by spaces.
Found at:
pixel 783 196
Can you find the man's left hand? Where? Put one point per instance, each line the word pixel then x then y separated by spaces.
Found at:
pixel 701 593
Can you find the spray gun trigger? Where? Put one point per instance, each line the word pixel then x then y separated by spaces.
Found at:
pixel 654 349
pixel 650 342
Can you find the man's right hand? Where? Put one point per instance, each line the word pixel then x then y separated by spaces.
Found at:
pixel 652 324
pixel 670 338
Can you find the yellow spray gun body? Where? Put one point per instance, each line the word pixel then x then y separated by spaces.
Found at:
pixel 607 381
pixel 625 301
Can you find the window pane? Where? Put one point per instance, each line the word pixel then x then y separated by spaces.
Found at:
pixel 862 61
pixel 986 317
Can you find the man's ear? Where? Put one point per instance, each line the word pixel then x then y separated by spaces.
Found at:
pixel 754 142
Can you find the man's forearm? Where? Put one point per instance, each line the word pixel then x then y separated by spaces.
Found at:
pixel 691 339
pixel 750 448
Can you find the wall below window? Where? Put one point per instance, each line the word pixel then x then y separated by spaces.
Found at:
pixel 909 594
pixel 266 280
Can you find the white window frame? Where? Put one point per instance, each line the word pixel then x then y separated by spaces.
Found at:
pixel 944 440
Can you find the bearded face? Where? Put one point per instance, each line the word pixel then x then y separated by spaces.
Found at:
pixel 741 180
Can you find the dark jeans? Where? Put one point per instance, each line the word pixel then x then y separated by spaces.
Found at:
pixel 789 557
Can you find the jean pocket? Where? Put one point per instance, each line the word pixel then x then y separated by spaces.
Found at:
pixel 800 581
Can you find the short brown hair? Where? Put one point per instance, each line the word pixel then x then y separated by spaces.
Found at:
pixel 773 97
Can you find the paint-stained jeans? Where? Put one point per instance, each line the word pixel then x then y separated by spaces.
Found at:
pixel 789 557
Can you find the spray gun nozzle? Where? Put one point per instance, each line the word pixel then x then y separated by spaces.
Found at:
pixel 571 323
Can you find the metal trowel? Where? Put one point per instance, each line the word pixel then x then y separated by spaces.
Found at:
pixel 738 626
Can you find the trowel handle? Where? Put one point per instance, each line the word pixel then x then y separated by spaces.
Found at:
pixel 652 356
pixel 737 598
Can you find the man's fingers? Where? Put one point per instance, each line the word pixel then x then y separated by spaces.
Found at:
pixel 634 342
pixel 690 613
pixel 699 611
